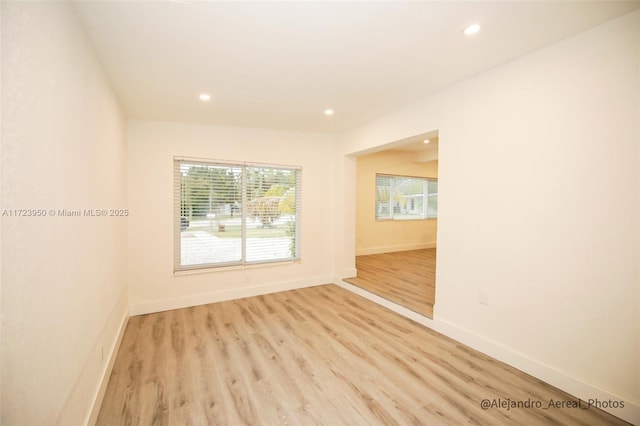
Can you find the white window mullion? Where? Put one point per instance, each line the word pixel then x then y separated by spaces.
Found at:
pixel 243 222
pixel 425 199
pixel 391 196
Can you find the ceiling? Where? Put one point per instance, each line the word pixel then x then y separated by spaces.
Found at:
pixel 281 64
pixel 421 152
pixel 416 145
pixel 423 147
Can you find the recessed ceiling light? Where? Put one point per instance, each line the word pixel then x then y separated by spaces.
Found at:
pixel 471 29
pixel 328 112
pixel 426 141
pixel 205 97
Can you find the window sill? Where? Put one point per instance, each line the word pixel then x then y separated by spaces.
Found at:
pixel 407 220
pixel 233 267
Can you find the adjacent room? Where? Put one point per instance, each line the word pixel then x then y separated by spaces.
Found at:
pixel 229 212
pixel 396 222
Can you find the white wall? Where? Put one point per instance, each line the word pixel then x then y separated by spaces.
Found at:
pixel 151 149
pixel 638 136
pixel 1 204
pixel 64 289
pixel 538 207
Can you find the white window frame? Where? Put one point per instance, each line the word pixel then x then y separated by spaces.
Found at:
pixel 243 262
pixel 387 213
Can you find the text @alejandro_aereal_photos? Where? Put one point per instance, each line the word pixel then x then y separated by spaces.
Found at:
pixel 510 404
pixel 55 212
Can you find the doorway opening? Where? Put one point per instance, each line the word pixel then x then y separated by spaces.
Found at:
pixel 396 222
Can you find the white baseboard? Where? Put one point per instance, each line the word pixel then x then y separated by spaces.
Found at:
pixel 573 386
pixel 148 307
pixel 390 249
pixel 84 400
pixel 112 354
pixel 569 384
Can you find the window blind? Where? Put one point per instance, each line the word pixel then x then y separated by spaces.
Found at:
pixel 406 198
pixel 234 213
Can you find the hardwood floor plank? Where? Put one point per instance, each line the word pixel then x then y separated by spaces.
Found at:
pixel 208 383
pixel 406 278
pixel 315 356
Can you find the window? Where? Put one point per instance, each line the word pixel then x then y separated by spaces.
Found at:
pixel 234 214
pixel 406 198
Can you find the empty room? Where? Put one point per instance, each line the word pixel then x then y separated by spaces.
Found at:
pixel 193 194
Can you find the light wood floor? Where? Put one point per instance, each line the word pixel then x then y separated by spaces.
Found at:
pixel 407 278
pixel 320 355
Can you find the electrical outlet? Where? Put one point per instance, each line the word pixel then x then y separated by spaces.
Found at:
pixel 483 297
